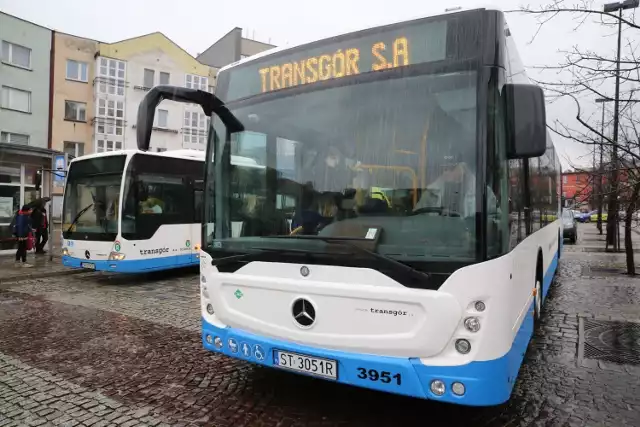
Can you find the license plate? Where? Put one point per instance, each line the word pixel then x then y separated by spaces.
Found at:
pixel 325 368
pixel 88 265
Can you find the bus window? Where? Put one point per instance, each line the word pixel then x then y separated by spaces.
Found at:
pixel 158 191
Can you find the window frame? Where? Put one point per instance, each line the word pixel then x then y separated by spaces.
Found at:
pixel 79 68
pixel 108 83
pixel 9 89
pixel 8 139
pixel 166 118
pixel 76 145
pixel 78 110
pixel 9 58
pixel 165 74
pixel 148 72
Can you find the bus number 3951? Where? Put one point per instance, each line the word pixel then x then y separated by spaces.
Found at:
pixel 382 376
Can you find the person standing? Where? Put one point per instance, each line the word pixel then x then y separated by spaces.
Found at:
pixel 40 225
pixel 21 231
pixel 42 234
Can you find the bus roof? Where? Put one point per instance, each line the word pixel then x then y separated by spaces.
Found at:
pixel 446 11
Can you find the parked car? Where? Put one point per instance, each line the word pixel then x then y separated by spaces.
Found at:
pixel 570 226
pixel 585 216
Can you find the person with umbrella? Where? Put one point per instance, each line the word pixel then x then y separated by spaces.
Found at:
pixel 40 222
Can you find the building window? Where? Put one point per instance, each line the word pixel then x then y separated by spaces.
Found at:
pixel 15 54
pixel 195 127
pixel 110 117
pixel 14 138
pixel 78 71
pixel 149 77
pixel 16 99
pixel 75 111
pixel 111 74
pixel 164 78
pixel 196 82
pixel 105 145
pixel 163 118
pixel 564 179
pixel 75 149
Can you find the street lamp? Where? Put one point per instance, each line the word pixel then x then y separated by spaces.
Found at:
pixel 601 167
pixel 613 201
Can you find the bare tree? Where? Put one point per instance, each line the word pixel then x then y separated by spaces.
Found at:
pixel 585 74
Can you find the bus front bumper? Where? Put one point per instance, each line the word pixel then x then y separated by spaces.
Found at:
pixel 485 383
pixel 130 266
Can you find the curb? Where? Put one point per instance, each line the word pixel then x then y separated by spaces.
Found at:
pixel 41 275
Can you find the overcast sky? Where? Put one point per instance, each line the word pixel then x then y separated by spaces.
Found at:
pixel 195 24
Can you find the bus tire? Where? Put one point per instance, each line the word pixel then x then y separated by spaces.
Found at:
pixel 537 303
pixel 560 240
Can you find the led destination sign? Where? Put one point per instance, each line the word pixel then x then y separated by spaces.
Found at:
pixel 383 50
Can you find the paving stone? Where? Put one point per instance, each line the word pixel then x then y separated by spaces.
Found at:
pixel 33 410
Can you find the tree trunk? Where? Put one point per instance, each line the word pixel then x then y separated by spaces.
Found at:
pixel 628 243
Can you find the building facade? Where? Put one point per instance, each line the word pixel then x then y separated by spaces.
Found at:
pixel 125 71
pixel 72 104
pixel 577 189
pixel 25 70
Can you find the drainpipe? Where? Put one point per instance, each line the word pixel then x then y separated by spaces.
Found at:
pixel 52 61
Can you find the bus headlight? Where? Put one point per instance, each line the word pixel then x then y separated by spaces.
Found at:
pixel 65 252
pixel 463 346
pixel 210 309
pixel 480 306
pixel 458 388
pixel 116 256
pixel 205 293
pixel 437 387
pixel 472 324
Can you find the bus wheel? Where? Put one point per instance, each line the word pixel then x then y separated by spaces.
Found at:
pixel 537 303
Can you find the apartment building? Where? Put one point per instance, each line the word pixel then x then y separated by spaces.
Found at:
pixel 25 67
pixel 125 71
pixel 73 72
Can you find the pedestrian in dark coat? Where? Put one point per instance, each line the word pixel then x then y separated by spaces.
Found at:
pixel 21 230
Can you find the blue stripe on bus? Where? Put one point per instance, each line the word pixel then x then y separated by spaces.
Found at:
pixel 487 383
pixel 135 265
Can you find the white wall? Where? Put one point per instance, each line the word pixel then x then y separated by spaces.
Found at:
pixel 158 61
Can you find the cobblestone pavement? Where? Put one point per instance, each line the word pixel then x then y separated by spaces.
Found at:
pixel 136 343
pixel 42 266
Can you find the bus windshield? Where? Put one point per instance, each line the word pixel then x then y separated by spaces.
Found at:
pixel 91 198
pixel 393 155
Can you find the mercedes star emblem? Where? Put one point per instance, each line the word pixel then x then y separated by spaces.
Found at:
pixel 304 270
pixel 304 313
pixel 87 254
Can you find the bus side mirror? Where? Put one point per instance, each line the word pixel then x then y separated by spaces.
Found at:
pixel 210 104
pixel 526 121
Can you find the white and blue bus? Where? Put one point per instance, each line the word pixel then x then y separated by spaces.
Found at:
pixel 404 232
pixel 134 212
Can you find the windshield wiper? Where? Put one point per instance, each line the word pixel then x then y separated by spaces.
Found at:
pixel 77 217
pixel 389 262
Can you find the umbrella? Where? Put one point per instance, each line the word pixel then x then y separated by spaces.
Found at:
pixel 39 202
